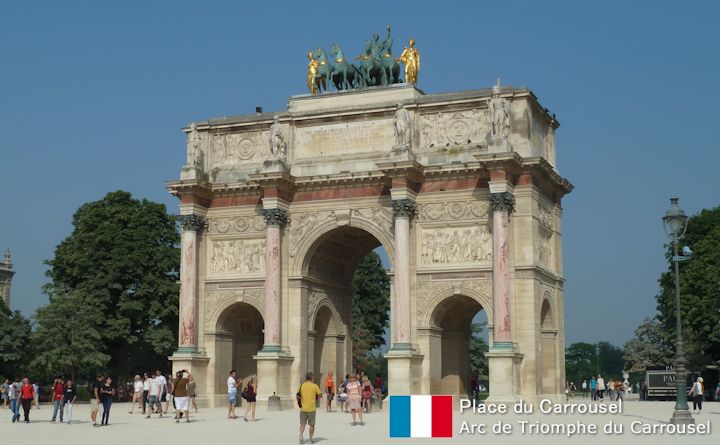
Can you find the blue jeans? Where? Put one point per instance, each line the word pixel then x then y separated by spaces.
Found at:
pixel 107 403
pixel 56 408
pixel 15 408
pixel 69 406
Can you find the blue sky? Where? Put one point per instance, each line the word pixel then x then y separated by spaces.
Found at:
pixel 93 95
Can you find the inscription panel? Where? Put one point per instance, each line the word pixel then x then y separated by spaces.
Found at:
pixel 343 139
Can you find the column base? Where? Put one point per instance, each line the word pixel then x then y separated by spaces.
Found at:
pixel 682 416
pixel 196 363
pixel 504 366
pixel 273 377
pixel 404 370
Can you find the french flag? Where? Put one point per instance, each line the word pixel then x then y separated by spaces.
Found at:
pixel 421 416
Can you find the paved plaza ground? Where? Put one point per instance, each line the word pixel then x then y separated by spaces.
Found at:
pixel 211 426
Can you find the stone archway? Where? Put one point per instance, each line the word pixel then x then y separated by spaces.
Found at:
pixel 328 264
pixel 549 348
pixel 448 343
pixel 326 346
pixel 237 337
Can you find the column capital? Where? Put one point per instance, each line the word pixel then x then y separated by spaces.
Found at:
pixel 404 208
pixel 275 217
pixel 195 223
pixel 503 201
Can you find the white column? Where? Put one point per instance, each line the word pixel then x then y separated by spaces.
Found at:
pixel 404 209
pixel 274 219
pixel 502 205
pixel 187 337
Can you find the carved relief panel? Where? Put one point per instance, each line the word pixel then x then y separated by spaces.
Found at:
pixel 236 258
pixel 544 244
pixel 229 150
pixel 453 128
pixel 464 245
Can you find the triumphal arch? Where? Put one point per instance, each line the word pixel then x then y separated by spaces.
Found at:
pixel 460 189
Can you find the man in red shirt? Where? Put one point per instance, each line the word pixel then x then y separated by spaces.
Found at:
pixel 58 395
pixel 26 397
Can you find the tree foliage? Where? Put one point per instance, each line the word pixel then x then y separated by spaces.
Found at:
pixel 649 347
pixel 14 337
pixel 583 360
pixel 699 290
pixel 121 261
pixel 371 306
pixel 68 339
pixel 478 349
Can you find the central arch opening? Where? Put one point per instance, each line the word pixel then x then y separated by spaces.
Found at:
pixel 459 335
pixel 348 291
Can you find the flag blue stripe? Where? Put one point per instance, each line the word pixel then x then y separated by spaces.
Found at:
pixel 399 416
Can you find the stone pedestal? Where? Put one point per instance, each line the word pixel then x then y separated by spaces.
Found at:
pixel 501 146
pixel 403 154
pixel 404 372
pixel 274 165
pixel 504 369
pixel 274 377
pixel 197 364
pixel 190 172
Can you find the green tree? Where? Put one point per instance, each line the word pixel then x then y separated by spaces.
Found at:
pixel 14 337
pixel 478 349
pixel 67 339
pixel 123 258
pixel 699 290
pixel 649 347
pixel 611 360
pixel 580 361
pixel 371 306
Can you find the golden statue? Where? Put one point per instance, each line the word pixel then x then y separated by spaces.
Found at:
pixel 410 57
pixel 312 83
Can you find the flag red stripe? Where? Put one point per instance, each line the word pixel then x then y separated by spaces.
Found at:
pixel 442 416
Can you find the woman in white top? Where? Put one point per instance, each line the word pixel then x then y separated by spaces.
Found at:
pixel 137 394
pixel 600 386
pixel 697 392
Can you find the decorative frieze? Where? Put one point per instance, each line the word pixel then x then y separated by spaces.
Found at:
pixel 236 224
pixel 428 292
pixel 454 128
pixel 237 256
pixel 545 216
pixel 456 246
pixel 454 210
pixel 215 301
pixel 545 248
pixel 503 201
pixel 234 148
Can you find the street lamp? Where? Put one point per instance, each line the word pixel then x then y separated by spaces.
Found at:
pixel 675 222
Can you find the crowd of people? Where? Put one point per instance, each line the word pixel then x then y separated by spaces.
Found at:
pixel 354 394
pixel 148 394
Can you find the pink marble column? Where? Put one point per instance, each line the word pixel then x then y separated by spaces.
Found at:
pixel 187 336
pixel 404 210
pixel 274 219
pixel 502 205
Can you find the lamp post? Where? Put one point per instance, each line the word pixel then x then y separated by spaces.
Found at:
pixel 675 222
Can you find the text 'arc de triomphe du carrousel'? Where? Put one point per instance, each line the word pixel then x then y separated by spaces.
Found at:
pixel 460 189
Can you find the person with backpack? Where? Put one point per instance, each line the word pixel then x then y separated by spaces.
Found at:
pixel 250 396
pixel 697 393
pixel 181 400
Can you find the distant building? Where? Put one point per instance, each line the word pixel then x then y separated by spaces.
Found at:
pixel 6 274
